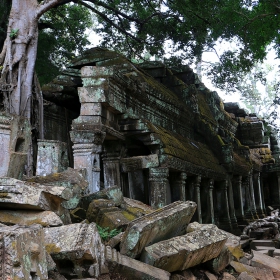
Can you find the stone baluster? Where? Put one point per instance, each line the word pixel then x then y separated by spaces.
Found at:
pixel 179 187
pixel 87 148
pixel 262 191
pixel 159 186
pixel 238 200
pixel 258 195
pixel 5 137
pixel 111 166
pixel 210 201
pixel 224 215
pixel 253 201
pixel 247 199
pixel 231 201
pixel 197 183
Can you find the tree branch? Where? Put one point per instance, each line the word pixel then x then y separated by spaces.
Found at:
pixel 99 3
pixel 48 4
pixel 103 16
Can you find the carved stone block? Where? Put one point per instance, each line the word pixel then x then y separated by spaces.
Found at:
pixel 130 268
pixel 162 224
pixel 77 244
pixel 196 247
pixel 16 194
pixel 52 157
pixel 22 254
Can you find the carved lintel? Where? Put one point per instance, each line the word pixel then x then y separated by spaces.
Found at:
pixel 139 162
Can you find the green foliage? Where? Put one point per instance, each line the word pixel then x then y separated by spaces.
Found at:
pixel 191 27
pixel 61 37
pixel 14 33
pixel 106 233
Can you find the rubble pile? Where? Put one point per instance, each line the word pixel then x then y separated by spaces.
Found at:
pixel 50 230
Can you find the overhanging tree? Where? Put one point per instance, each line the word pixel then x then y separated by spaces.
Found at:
pixel 133 26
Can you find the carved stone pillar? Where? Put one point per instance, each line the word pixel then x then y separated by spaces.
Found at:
pixel 179 187
pixel 248 201
pixel 253 201
pixel 5 135
pixel 87 148
pixel 159 186
pixel 197 182
pixel 111 166
pixel 224 215
pixel 258 194
pixel 238 200
pixel 263 202
pixel 51 157
pixel 210 201
pixel 231 201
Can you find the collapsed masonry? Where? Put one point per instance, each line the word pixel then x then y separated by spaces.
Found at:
pixel 160 136
pixel 156 132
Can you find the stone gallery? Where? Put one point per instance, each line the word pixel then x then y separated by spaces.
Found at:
pixel 124 136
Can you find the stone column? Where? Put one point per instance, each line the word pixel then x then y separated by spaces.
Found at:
pixel 253 201
pixel 258 195
pixel 51 157
pixel 263 203
pixel 159 186
pixel 87 148
pixel 210 201
pixel 224 215
pixel 197 182
pixel 231 201
pixel 5 135
pixel 111 166
pixel 238 200
pixel 179 187
pixel 248 205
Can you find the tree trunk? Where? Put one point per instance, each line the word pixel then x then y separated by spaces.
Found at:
pixel 17 63
pixel 19 56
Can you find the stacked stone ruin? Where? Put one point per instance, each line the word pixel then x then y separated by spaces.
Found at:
pixel 119 137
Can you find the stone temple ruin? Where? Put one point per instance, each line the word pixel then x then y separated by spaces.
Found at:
pixel 117 138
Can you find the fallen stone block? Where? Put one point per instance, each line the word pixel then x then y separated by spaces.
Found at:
pixel 77 215
pixel 132 269
pixel 113 193
pixel 22 253
pixel 258 273
pixel 245 276
pixel 76 249
pixel 188 274
pixel 27 218
pixel 196 247
pixel 162 224
pixel 266 260
pixel 233 241
pixel 95 206
pixel 220 262
pixel 115 241
pixel 113 220
pixel 227 276
pixel 16 194
pixel 72 181
pixel 137 208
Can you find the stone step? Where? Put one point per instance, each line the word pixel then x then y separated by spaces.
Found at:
pixel 260 233
pixel 265 243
